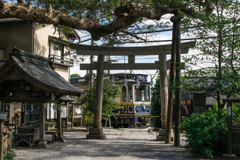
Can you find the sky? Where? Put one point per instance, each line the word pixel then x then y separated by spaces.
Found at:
pixel 138 59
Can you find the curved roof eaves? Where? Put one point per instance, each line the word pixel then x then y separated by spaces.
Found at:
pixel 47 76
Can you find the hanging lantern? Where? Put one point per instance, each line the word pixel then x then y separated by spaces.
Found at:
pixel 31 107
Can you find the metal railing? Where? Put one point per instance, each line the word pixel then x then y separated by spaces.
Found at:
pixel 61 60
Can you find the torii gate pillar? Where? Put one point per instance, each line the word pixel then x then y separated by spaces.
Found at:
pixel 164 97
pixel 97 131
pixel 163 89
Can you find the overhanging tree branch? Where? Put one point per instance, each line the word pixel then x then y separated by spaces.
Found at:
pixel 125 16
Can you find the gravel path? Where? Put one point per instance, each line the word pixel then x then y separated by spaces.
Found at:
pixel 120 144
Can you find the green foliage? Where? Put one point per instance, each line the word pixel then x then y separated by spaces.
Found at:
pixel 75 75
pixel 87 75
pixel 77 121
pixel 236 114
pixel 156 104
pixel 110 92
pixel 29 123
pixel 205 131
pixel 8 157
pixel 219 46
pixel 70 116
pixel 88 118
pixel 48 123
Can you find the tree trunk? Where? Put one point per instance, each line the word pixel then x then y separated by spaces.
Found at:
pixel 171 85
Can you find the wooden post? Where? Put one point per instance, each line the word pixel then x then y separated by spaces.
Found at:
pixel 171 85
pixel 23 113
pixel 10 140
pixel 177 81
pixel 59 124
pixel 42 143
pixel 229 133
pixel 106 122
pixel 2 105
pixel 73 108
pixel 81 121
pixel 109 121
pixel 1 139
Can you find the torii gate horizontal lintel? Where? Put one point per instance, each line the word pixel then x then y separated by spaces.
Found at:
pixel 146 50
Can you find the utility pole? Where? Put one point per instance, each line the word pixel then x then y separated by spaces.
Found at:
pixel 109 61
pixel 171 85
pixel 91 71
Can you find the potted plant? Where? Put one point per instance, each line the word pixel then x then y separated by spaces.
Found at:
pixel 48 125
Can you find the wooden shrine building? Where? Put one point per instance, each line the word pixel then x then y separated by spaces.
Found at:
pixel 30 80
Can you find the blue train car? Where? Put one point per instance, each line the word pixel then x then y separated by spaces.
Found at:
pixel 135 99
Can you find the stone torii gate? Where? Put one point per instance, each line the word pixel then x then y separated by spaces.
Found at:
pixel 162 50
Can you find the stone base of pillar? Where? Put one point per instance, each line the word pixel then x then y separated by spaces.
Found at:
pixel 96 133
pixel 60 138
pixel 162 135
pixel 43 144
pixel 164 122
pixel 229 156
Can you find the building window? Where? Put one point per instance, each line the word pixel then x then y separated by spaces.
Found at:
pixel 124 94
pixel 142 93
pixel 81 80
pixel 130 97
pixel 57 52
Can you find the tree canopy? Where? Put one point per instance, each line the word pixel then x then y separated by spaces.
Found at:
pixel 100 17
pixel 220 47
pixel 75 75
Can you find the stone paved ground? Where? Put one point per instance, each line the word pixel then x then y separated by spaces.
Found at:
pixel 129 144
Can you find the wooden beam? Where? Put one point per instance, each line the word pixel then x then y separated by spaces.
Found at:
pixel 29 100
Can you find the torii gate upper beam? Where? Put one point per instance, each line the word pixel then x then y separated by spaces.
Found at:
pixel 147 50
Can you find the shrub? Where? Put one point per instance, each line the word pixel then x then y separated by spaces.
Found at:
pixel 8 157
pixel 205 131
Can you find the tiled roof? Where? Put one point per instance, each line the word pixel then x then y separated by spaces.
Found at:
pixel 38 69
pixel 2 64
pixel 65 98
